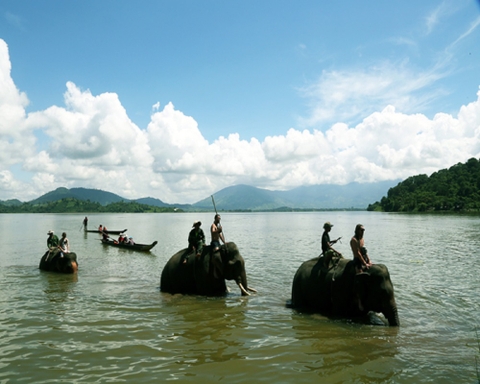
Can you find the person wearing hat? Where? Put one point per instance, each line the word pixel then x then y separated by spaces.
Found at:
pixel 360 256
pixel 327 249
pixel 52 240
pixel 196 240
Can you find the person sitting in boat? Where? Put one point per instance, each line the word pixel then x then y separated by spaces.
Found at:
pixel 105 236
pixel 130 241
pixel 121 238
pixel 100 228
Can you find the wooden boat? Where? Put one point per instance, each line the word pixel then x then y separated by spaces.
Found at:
pixel 117 232
pixel 133 247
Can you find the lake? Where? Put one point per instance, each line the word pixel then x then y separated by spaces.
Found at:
pixel 110 323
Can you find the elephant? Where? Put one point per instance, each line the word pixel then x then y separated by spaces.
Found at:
pixel 57 261
pixel 206 274
pixel 338 289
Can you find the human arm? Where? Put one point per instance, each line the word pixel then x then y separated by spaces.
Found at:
pixel 357 253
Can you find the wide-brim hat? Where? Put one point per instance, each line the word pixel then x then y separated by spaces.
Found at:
pixel 50 232
pixel 327 225
pixel 199 223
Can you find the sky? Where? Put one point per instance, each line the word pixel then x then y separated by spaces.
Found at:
pixel 177 100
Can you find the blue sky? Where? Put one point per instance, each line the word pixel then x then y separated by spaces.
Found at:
pixel 178 99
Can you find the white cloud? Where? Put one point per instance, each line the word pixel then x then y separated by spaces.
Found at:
pixel 348 95
pixel 91 142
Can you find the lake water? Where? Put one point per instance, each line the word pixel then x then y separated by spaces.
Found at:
pixel 110 323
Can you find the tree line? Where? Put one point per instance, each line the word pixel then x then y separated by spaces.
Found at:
pixel 72 205
pixel 454 189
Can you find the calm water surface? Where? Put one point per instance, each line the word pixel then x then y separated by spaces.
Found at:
pixel 110 323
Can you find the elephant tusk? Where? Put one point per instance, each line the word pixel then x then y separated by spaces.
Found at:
pixel 243 289
pixel 252 290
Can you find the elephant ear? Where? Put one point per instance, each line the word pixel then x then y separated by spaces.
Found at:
pixel 360 283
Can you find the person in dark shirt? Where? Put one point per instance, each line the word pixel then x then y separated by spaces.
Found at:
pixel 196 241
pixel 52 240
pixel 327 249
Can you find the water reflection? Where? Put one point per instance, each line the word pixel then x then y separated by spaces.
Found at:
pixel 336 346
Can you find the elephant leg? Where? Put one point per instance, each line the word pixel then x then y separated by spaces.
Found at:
pixel 217 265
pixel 359 285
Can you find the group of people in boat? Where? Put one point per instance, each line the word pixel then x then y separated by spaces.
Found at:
pixel 124 239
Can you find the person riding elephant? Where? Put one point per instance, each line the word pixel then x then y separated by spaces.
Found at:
pixel 197 276
pixel 196 241
pixel 57 261
pixel 334 291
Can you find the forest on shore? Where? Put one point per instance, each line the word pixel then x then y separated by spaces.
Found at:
pixel 456 189
pixel 72 205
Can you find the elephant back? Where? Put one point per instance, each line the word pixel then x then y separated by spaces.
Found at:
pixel 178 277
pixel 57 261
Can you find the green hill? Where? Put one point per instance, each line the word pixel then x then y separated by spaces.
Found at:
pixel 84 194
pixel 454 189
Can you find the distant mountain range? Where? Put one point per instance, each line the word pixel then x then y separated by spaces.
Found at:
pixel 244 197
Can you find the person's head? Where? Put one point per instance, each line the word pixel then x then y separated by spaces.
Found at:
pixel 50 233
pixel 197 224
pixel 217 218
pixel 359 229
pixel 327 226
pixel 64 234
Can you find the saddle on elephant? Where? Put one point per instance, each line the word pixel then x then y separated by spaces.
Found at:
pixel 330 259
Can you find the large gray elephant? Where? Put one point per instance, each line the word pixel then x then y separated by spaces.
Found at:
pixel 206 274
pixel 56 261
pixel 338 289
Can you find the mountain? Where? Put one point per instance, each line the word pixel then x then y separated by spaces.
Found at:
pixel 94 195
pixel 11 202
pixel 242 197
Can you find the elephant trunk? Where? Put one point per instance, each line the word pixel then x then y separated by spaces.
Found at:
pixel 243 285
pixel 391 313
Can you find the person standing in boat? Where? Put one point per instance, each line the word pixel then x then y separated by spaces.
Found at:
pixel 85 223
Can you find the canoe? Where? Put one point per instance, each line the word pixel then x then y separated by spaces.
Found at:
pixel 108 231
pixel 134 247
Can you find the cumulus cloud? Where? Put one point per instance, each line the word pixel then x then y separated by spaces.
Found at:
pixel 91 142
